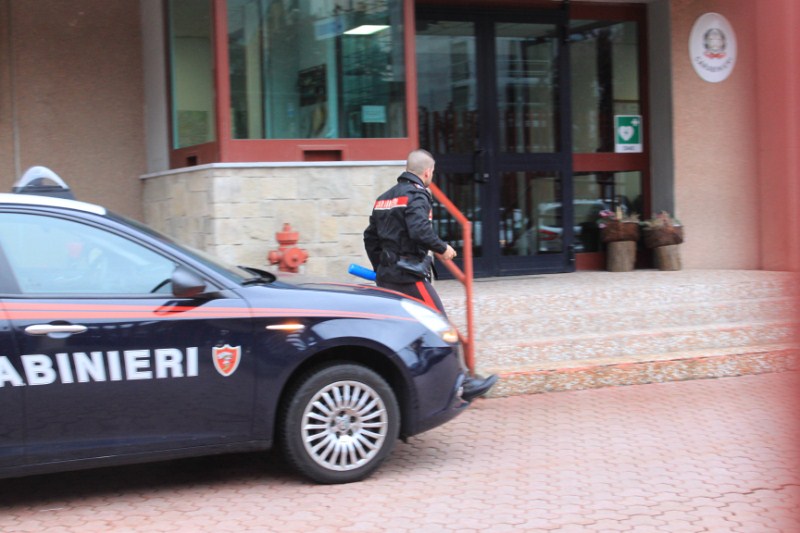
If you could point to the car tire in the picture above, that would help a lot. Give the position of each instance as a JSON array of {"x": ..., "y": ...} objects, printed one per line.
[{"x": 339, "y": 423}]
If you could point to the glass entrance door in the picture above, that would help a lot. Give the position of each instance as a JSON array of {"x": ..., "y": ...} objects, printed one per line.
[{"x": 493, "y": 106}]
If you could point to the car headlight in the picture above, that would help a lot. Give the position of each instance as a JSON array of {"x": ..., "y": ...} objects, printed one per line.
[{"x": 431, "y": 320}]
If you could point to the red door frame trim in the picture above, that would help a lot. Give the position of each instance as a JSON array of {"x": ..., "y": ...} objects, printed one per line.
[{"x": 222, "y": 78}]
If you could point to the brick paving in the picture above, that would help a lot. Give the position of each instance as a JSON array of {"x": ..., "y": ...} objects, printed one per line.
[{"x": 718, "y": 455}]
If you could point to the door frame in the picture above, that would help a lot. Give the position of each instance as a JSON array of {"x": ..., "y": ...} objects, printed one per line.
[{"x": 493, "y": 162}]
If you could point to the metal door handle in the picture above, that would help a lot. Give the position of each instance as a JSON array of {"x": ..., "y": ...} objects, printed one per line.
[{"x": 46, "y": 329}]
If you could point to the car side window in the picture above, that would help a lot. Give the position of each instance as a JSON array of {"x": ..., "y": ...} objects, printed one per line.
[{"x": 55, "y": 256}]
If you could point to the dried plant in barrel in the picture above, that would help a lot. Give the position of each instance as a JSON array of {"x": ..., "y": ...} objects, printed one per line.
[
  {"x": 616, "y": 226},
  {"x": 662, "y": 230}
]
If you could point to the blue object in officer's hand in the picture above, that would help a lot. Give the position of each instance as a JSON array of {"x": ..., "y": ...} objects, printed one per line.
[{"x": 361, "y": 272}]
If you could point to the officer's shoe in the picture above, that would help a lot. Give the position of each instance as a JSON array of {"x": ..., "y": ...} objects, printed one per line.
[{"x": 475, "y": 387}]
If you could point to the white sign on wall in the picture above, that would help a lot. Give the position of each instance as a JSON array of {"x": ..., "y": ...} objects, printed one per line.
[{"x": 712, "y": 47}]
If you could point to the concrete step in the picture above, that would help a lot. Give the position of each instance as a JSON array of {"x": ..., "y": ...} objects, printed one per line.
[
  {"x": 539, "y": 325},
  {"x": 646, "y": 368},
  {"x": 501, "y": 355},
  {"x": 627, "y": 290},
  {"x": 590, "y": 329}
]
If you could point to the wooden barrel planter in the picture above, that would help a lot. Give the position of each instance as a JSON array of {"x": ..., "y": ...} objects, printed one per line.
[
  {"x": 667, "y": 257},
  {"x": 621, "y": 256},
  {"x": 665, "y": 241},
  {"x": 620, "y": 239}
]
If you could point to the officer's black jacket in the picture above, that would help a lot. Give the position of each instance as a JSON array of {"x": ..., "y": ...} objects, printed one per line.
[{"x": 400, "y": 226}]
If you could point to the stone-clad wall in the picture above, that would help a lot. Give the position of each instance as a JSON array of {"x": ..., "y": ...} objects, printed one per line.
[{"x": 233, "y": 211}]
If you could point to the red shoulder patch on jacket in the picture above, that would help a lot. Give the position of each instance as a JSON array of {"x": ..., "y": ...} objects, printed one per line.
[{"x": 401, "y": 201}]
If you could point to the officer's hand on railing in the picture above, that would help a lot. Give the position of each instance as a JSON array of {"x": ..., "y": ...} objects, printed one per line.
[{"x": 448, "y": 254}]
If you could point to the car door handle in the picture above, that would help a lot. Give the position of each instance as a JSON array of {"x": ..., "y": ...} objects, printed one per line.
[{"x": 46, "y": 329}]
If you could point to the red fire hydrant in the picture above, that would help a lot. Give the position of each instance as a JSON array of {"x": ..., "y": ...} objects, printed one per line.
[{"x": 287, "y": 257}]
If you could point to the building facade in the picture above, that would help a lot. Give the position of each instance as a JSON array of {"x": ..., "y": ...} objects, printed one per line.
[{"x": 217, "y": 121}]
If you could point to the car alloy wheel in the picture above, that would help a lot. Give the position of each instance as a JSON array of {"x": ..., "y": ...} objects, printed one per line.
[{"x": 341, "y": 423}]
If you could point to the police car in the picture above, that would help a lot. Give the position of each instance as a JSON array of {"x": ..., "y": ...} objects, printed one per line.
[{"x": 118, "y": 345}]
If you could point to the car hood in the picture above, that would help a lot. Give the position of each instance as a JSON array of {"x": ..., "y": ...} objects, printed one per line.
[
  {"x": 309, "y": 283},
  {"x": 352, "y": 288},
  {"x": 331, "y": 296}
]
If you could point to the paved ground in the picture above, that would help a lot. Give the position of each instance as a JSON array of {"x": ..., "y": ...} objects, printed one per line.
[{"x": 710, "y": 455}]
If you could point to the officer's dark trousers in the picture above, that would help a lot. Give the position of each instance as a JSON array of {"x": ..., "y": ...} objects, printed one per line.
[{"x": 421, "y": 290}]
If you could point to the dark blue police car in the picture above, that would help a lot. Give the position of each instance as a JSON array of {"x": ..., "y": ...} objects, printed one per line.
[{"x": 117, "y": 345}]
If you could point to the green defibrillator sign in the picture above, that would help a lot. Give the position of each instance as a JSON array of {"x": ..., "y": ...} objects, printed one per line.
[{"x": 628, "y": 133}]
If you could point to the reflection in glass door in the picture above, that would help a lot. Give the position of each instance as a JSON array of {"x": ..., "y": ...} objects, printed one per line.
[
  {"x": 491, "y": 109},
  {"x": 448, "y": 117},
  {"x": 527, "y": 85},
  {"x": 526, "y": 91},
  {"x": 530, "y": 214}
]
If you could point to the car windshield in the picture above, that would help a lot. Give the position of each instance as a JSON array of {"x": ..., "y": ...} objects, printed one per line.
[{"x": 235, "y": 273}]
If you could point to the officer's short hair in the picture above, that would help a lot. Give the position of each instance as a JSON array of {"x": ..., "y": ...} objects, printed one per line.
[{"x": 419, "y": 161}]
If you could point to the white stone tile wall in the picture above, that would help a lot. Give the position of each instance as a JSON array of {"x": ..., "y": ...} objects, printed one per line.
[{"x": 233, "y": 212}]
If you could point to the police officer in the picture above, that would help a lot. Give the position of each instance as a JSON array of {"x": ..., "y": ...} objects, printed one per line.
[{"x": 399, "y": 238}]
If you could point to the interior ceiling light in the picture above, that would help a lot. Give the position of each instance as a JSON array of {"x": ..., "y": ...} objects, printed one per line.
[{"x": 365, "y": 29}]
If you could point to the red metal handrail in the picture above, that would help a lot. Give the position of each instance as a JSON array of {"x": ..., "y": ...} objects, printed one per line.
[{"x": 464, "y": 277}]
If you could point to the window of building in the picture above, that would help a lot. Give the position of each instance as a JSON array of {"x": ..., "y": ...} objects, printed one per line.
[
  {"x": 598, "y": 191},
  {"x": 191, "y": 77},
  {"x": 311, "y": 70},
  {"x": 607, "y": 84},
  {"x": 605, "y": 80}
]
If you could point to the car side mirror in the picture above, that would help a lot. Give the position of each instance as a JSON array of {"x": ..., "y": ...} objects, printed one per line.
[{"x": 186, "y": 284}]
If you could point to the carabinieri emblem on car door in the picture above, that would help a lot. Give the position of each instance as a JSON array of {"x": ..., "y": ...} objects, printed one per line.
[{"x": 226, "y": 358}]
